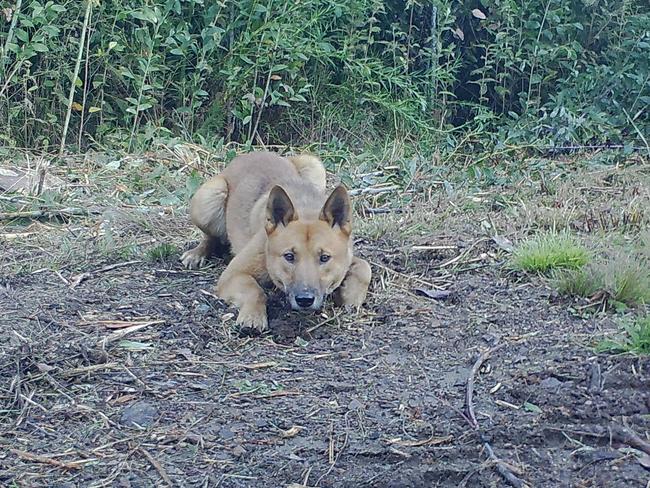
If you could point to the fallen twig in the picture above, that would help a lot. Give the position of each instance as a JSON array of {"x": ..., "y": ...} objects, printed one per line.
[
  {"x": 119, "y": 334},
  {"x": 28, "y": 456},
  {"x": 84, "y": 276},
  {"x": 615, "y": 432},
  {"x": 37, "y": 214},
  {"x": 469, "y": 392},
  {"x": 373, "y": 190},
  {"x": 433, "y": 248},
  {"x": 431, "y": 441},
  {"x": 503, "y": 468},
  {"x": 88, "y": 369},
  {"x": 154, "y": 462},
  {"x": 275, "y": 394}
]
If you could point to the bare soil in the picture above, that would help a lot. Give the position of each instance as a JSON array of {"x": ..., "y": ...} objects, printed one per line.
[{"x": 339, "y": 399}]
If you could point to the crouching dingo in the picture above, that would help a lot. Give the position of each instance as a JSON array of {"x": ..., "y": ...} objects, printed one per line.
[{"x": 281, "y": 227}]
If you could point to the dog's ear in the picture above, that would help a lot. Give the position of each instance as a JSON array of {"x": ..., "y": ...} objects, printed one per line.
[
  {"x": 279, "y": 209},
  {"x": 338, "y": 210}
]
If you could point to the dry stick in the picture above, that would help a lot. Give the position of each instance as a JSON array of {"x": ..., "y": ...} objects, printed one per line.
[
  {"x": 616, "y": 433},
  {"x": 85, "y": 90},
  {"x": 469, "y": 392},
  {"x": 626, "y": 436},
  {"x": 119, "y": 334},
  {"x": 502, "y": 468},
  {"x": 469, "y": 415},
  {"x": 27, "y": 456},
  {"x": 154, "y": 462},
  {"x": 84, "y": 276},
  {"x": 37, "y": 214},
  {"x": 82, "y": 43}
]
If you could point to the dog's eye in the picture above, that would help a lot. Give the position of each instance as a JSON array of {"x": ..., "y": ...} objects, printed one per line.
[
  {"x": 324, "y": 258},
  {"x": 289, "y": 256}
]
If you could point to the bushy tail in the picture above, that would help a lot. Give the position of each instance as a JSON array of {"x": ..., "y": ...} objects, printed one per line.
[{"x": 311, "y": 169}]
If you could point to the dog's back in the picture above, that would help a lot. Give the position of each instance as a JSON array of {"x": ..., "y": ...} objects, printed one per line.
[{"x": 250, "y": 177}]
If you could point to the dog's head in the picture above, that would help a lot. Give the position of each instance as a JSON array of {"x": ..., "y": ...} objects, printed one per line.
[{"x": 308, "y": 259}]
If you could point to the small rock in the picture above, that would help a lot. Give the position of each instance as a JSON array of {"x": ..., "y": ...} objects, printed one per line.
[
  {"x": 139, "y": 414},
  {"x": 226, "y": 434},
  {"x": 355, "y": 405},
  {"x": 550, "y": 383},
  {"x": 238, "y": 451}
]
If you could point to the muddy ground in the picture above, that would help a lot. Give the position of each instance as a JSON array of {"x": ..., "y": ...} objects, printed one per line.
[{"x": 373, "y": 399}]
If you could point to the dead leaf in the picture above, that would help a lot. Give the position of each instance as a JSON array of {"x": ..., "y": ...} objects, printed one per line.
[
  {"x": 124, "y": 399},
  {"x": 292, "y": 432},
  {"x": 459, "y": 33},
  {"x": 276, "y": 77},
  {"x": 504, "y": 243},
  {"x": 44, "y": 368},
  {"x": 478, "y": 14},
  {"x": 433, "y": 294}
]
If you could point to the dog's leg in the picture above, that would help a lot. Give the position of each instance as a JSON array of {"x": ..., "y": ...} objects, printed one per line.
[
  {"x": 238, "y": 285},
  {"x": 353, "y": 290},
  {"x": 208, "y": 213}
]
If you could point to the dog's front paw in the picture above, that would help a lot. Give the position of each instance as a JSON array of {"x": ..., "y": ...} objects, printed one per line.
[
  {"x": 193, "y": 259},
  {"x": 252, "y": 318},
  {"x": 350, "y": 296}
]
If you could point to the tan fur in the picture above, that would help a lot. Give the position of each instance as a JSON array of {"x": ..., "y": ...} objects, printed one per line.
[
  {"x": 282, "y": 228},
  {"x": 311, "y": 169}
]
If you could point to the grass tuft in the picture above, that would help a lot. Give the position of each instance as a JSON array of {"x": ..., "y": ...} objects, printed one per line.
[
  {"x": 162, "y": 252},
  {"x": 583, "y": 282},
  {"x": 550, "y": 251},
  {"x": 622, "y": 278},
  {"x": 635, "y": 340}
]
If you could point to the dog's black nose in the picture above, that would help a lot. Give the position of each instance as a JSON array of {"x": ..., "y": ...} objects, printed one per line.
[{"x": 305, "y": 300}]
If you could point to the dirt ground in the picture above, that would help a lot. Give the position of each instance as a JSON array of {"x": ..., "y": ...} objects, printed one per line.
[{"x": 125, "y": 370}]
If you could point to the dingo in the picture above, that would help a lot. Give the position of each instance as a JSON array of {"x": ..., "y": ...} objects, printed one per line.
[{"x": 281, "y": 227}]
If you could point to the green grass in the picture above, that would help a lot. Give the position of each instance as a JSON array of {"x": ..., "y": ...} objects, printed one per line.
[
  {"x": 550, "y": 251},
  {"x": 162, "y": 252},
  {"x": 636, "y": 338},
  {"x": 583, "y": 282},
  {"x": 623, "y": 278}
]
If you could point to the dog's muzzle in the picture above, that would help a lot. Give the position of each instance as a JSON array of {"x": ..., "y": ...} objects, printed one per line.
[{"x": 305, "y": 299}]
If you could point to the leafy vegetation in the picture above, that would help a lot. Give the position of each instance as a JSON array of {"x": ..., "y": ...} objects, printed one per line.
[
  {"x": 436, "y": 74},
  {"x": 636, "y": 338}
]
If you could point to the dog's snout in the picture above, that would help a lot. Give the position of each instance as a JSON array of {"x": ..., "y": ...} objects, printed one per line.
[{"x": 305, "y": 299}]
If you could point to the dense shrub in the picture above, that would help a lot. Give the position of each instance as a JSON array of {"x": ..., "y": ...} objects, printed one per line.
[{"x": 547, "y": 71}]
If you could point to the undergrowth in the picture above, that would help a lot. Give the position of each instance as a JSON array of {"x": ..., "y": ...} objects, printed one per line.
[{"x": 441, "y": 75}]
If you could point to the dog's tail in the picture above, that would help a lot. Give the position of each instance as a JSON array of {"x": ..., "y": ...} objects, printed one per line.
[{"x": 311, "y": 169}]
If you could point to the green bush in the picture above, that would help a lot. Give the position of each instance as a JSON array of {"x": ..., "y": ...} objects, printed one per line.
[{"x": 278, "y": 71}]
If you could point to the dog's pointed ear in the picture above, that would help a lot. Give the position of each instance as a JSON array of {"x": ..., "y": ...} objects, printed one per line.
[
  {"x": 338, "y": 210},
  {"x": 279, "y": 209}
]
